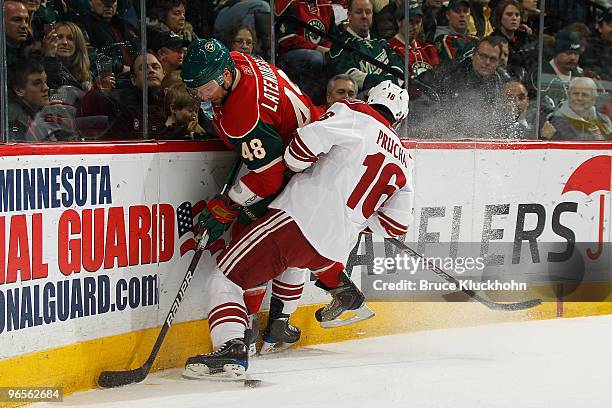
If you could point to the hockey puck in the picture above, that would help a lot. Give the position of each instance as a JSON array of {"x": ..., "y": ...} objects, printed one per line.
[{"x": 252, "y": 383}]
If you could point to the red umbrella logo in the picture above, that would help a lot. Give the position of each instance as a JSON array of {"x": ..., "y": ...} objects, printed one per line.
[{"x": 591, "y": 176}]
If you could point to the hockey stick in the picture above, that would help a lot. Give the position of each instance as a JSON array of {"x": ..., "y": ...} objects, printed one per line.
[
  {"x": 528, "y": 304},
  {"x": 110, "y": 379}
]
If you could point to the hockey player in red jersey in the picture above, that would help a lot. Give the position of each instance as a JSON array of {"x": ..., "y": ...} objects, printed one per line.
[
  {"x": 256, "y": 111},
  {"x": 354, "y": 176}
]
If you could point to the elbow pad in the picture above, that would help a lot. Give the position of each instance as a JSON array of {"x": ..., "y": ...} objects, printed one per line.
[{"x": 241, "y": 194}]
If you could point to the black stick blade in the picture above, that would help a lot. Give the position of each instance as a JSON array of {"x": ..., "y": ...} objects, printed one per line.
[{"x": 111, "y": 379}]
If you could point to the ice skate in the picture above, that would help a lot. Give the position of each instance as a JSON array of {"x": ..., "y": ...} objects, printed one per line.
[
  {"x": 228, "y": 363},
  {"x": 347, "y": 306},
  {"x": 279, "y": 335}
]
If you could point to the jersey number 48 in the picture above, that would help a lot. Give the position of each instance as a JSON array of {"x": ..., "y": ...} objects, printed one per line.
[{"x": 253, "y": 150}]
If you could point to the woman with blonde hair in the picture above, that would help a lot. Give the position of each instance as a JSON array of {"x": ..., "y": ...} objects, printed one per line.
[
  {"x": 68, "y": 65},
  {"x": 72, "y": 53}
]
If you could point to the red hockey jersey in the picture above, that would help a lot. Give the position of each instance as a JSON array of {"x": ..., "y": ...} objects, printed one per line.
[{"x": 259, "y": 118}]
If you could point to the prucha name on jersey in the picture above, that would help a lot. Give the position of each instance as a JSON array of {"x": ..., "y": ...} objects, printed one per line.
[{"x": 392, "y": 145}]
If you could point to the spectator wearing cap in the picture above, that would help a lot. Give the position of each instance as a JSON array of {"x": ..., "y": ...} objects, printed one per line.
[
  {"x": 169, "y": 15},
  {"x": 577, "y": 118},
  {"x": 169, "y": 49},
  {"x": 558, "y": 72},
  {"x": 303, "y": 52},
  {"x": 453, "y": 40},
  {"x": 583, "y": 31},
  {"x": 423, "y": 55},
  {"x": 597, "y": 57},
  {"x": 357, "y": 35},
  {"x": 508, "y": 24},
  {"x": 109, "y": 34},
  {"x": 479, "y": 23}
]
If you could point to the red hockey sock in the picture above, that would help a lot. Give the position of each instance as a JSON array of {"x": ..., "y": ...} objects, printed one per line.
[
  {"x": 253, "y": 298},
  {"x": 330, "y": 277}
]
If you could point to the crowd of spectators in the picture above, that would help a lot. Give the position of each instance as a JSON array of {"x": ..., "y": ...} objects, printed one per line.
[{"x": 75, "y": 67}]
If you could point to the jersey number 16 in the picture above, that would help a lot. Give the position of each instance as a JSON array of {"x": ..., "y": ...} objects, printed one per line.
[{"x": 380, "y": 186}]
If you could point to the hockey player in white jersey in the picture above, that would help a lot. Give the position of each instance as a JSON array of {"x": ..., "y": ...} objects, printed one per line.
[{"x": 354, "y": 176}]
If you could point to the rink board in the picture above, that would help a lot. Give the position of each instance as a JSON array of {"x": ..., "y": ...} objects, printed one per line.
[{"x": 91, "y": 245}]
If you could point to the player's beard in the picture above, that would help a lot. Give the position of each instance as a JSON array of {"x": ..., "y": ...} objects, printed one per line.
[{"x": 226, "y": 92}]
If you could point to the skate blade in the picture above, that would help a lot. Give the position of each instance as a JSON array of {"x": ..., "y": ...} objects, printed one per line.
[
  {"x": 349, "y": 317},
  {"x": 231, "y": 372},
  {"x": 271, "y": 348}
]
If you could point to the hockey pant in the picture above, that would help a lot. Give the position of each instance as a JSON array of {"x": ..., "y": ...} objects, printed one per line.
[
  {"x": 287, "y": 287},
  {"x": 261, "y": 252}
]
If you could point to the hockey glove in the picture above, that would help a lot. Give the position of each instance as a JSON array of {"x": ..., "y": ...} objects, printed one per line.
[{"x": 217, "y": 217}]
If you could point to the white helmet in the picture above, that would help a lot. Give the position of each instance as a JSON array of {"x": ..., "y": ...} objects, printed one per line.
[{"x": 392, "y": 97}]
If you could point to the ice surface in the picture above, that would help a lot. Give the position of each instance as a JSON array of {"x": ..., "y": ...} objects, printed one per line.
[{"x": 561, "y": 363}]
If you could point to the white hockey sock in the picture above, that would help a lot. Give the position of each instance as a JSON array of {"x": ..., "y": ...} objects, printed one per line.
[
  {"x": 288, "y": 288},
  {"x": 227, "y": 316}
]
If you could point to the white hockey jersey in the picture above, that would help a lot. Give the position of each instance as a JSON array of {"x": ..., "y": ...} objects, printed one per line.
[{"x": 362, "y": 179}]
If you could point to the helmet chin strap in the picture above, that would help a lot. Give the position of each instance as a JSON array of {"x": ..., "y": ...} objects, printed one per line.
[{"x": 229, "y": 87}]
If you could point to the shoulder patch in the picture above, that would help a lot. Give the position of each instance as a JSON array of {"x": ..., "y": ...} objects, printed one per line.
[{"x": 240, "y": 113}]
